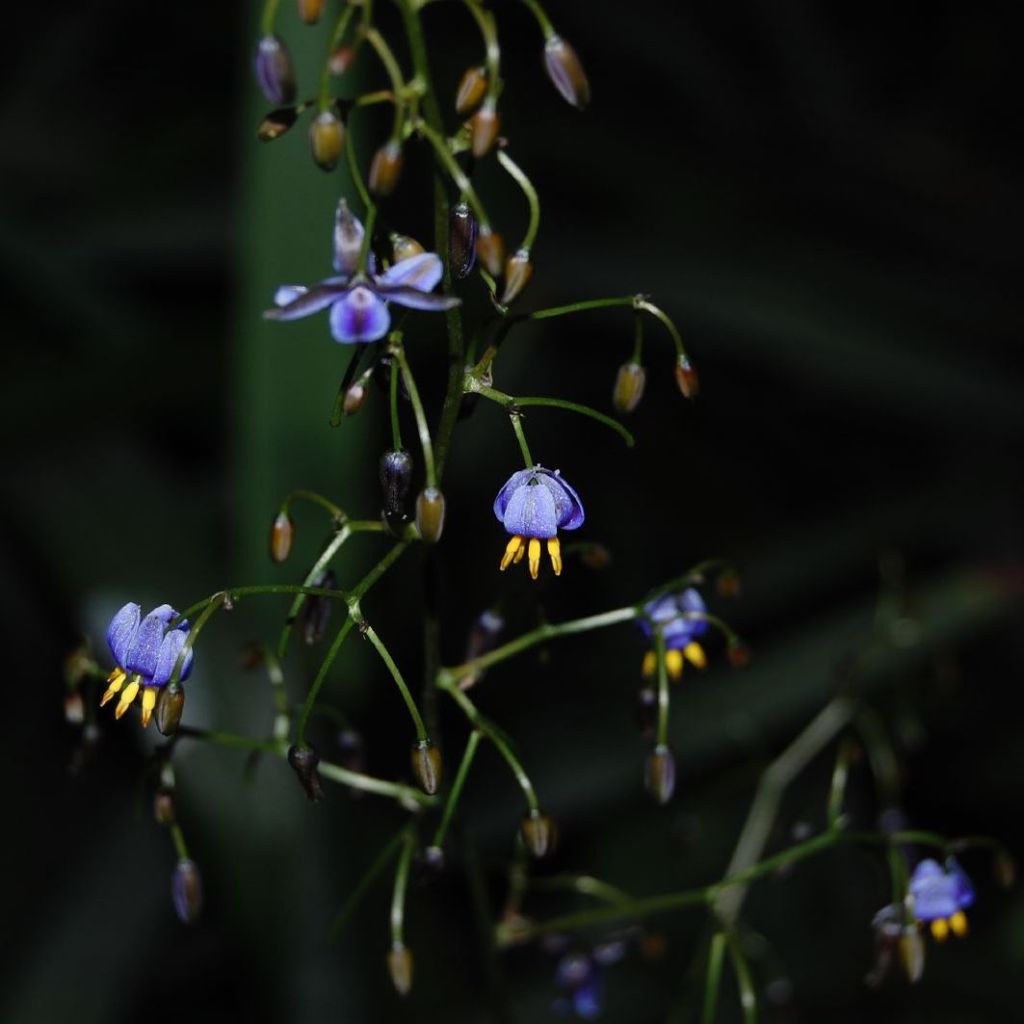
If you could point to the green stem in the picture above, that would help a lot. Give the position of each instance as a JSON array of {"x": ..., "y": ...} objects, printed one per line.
[
  {"x": 585, "y": 885},
  {"x": 659, "y": 314},
  {"x": 378, "y": 865},
  {"x": 394, "y": 73},
  {"x": 837, "y": 786},
  {"x": 414, "y": 712},
  {"x": 218, "y": 601},
  {"x": 178, "y": 838},
  {"x": 662, "y": 728},
  {"x": 396, "y": 428},
  {"x": 268, "y": 16},
  {"x": 336, "y": 512},
  {"x": 398, "y": 352},
  {"x": 456, "y": 791},
  {"x": 542, "y": 19},
  {"x": 337, "y": 34},
  {"x": 744, "y": 980},
  {"x": 517, "y": 426},
  {"x": 455, "y": 172},
  {"x": 521, "y": 179},
  {"x": 398, "y": 894}
]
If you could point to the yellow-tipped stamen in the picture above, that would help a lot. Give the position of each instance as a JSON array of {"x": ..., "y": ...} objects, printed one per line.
[
  {"x": 650, "y": 664},
  {"x": 116, "y": 681},
  {"x": 513, "y": 550},
  {"x": 148, "y": 703},
  {"x": 958, "y": 923},
  {"x": 555, "y": 554},
  {"x": 940, "y": 929},
  {"x": 534, "y": 557},
  {"x": 131, "y": 691},
  {"x": 520, "y": 552},
  {"x": 694, "y": 654},
  {"x": 674, "y": 664}
]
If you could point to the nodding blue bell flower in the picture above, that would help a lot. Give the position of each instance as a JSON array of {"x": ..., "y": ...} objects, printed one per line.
[
  {"x": 145, "y": 652},
  {"x": 670, "y": 612},
  {"x": 940, "y": 896},
  {"x": 358, "y": 300},
  {"x": 533, "y": 506}
]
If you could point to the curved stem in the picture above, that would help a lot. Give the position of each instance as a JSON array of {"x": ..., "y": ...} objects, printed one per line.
[
  {"x": 456, "y": 791},
  {"x": 394, "y": 73},
  {"x": 519, "y": 175},
  {"x": 396, "y": 427},
  {"x": 398, "y": 893},
  {"x": 417, "y": 407},
  {"x": 542, "y": 19},
  {"x": 517, "y": 426},
  {"x": 455, "y": 172},
  {"x": 337, "y": 513},
  {"x": 414, "y": 712},
  {"x": 662, "y": 727},
  {"x": 337, "y": 34}
]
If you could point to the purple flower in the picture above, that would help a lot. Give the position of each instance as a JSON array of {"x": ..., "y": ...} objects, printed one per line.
[
  {"x": 145, "y": 652},
  {"x": 358, "y": 300},
  {"x": 534, "y": 505},
  {"x": 670, "y": 613},
  {"x": 940, "y": 895},
  {"x": 583, "y": 980}
]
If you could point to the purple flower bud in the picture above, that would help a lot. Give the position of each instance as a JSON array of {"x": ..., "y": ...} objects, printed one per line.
[
  {"x": 304, "y": 760},
  {"x": 566, "y": 72},
  {"x": 275, "y": 73},
  {"x": 187, "y": 891},
  {"x": 462, "y": 241}
]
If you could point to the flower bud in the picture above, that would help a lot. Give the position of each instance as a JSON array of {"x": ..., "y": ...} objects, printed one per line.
[
  {"x": 566, "y": 72},
  {"x": 490, "y": 247},
  {"x": 187, "y": 890},
  {"x": 539, "y": 834},
  {"x": 355, "y": 396},
  {"x": 310, "y": 10},
  {"x": 629, "y": 386},
  {"x": 404, "y": 248},
  {"x": 276, "y": 123},
  {"x": 660, "y": 774},
  {"x": 315, "y": 613},
  {"x": 1005, "y": 869},
  {"x": 348, "y": 239},
  {"x": 427, "y": 766},
  {"x": 341, "y": 60},
  {"x": 385, "y": 168},
  {"x": 686, "y": 378},
  {"x": 169, "y": 705},
  {"x": 304, "y": 760},
  {"x": 595, "y": 556},
  {"x": 471, "y": 91},
  {"x": 275, "y": 73},
  {"x": 911, "y": 947},
  {"x": 518, "y": 271},
  {"x": 483, "y": 129},
  {"x": 395, "y": 477},
  {"x": 74, "y": 708},
  {"x": 430, "y": 509},
  {"x": 326, "y": 137},
  {"x": 433, "y": 859},
  {"x": 282, "y": 536},
  {"x": 77, "y": 666},
  {"x": 163, "y": 807},
  {"x": 728, "y": 583},
  {"x": 400, "y": 968},
  {"x": 737, "y": 652},
  {"x": 462, "y": 241}
]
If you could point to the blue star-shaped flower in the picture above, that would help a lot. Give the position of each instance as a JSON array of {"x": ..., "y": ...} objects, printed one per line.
[
  {"x": 671, "y": 612},
  {"x": 358, "y": 300},
  {"x": 145, "y": 652},
  {"x": 940, "y": 896},
  {"x": 534, "y": 505}
]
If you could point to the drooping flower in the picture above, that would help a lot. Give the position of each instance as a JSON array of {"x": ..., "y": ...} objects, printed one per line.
[
  {"x": 940, "y": 896},
  {"x": 679, "y": 618},
  {"x": 358, "y": 300},
  {"x": 145, "y": 652},
  {"x": 533, "y": 505}
]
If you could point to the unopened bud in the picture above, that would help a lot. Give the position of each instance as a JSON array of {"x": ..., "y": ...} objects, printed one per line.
[
  {"x": 566, "y": 72},
  {"x": 395, "y": 477},
  {"x": 1005, "y": 869},
  {"x": 430, "y": 509},
  {"x": 310, "y": 10},
  {"x": 629, "y": 386},
  {"x": 315, "y": 613},
  {"x": 737, "y": 652},
  {"x": 282, "y": 536},
  {"x": 484, "y": 634},
  {"x": 490, "y": 247},
  {"x": 275, "y": 73},
  {"x": 686, "y": 378},
  {"x": 728, "y": 583},
  {"x": 518, "y": 271},
  {"x": 74, "y": 708},
  {"x": 471, "y": 91},
  {"x": 400, "y": 968},
  {"x": 539, "y": 834},
  {"x": 276, "y": 123},
  {"x": 483, "y": 130},
  {"x": 77, "y": 666},
  {"x": 595, "y": 556},
  {"x": 433, "y": 859},
  {"x": 163, "y": 807},
  {"x": 660, "y": 774},
  {"x": 462, "y": 241},
  {"x": 385, "y": 168},
  {"x": 427, "y": 766},
  {"x": 187, "y": 890},
  {"x": 341, "y": 60},
  {"x": 404, "y": 248},
  {"x": 170, "y": 703},
  {"x": 326, "y": 138},
  {"x": 304, "y": 760},
  {"x": 348, "y": 239},
  {"x": 351, "y": 750},
  {"x": 355, "y": 396},
  {"x": 911, "y": 947}
]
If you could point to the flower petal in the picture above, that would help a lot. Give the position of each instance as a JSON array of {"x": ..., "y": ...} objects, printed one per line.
[
  {"x": 145, "y": 649},
  {"x": 167, "y": 656},
  {"x": 348, "y": 239},
  {"x": 567, "y": 501},
  {"x": 312, "y": 300},
  {"x": 288, "y": 293},
  {"x": 531, "y": 512},
  {"x": 422, "y": 272},
  {"x": 359, "y": 316},
  {"x": 515, "y": 481},
  {"x": 121, "y": 632},
  {"x": 416, "y": 299}
]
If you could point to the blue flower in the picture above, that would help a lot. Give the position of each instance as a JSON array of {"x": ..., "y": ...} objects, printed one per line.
[
  {"x": 145, "y": 652},
  {"x": 940, "y": 895},
  {"x": 677, "y": 617},
  {"x": 358, "y": 300},
  {"x": 583, "y": 980},
  {"x": 533, "y": 506}
]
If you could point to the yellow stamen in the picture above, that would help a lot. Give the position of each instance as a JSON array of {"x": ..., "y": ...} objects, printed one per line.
[
  {"x": 650, "y": 664},
  {"x": 513, "y": 549},
  {"x": 520, "y": 552},
  {"x": 958, "y": 922},
  {"x": 674, "y": 664},
  {"x": 555, "y": 554},
  {"x": 940, "y": 929},
  {"x": 148, "y": 703},
  {"x": 694, "y": 654},
  {"x": 130, "y": 693},
  {"x": 116, "y": 680},
  {"x": 534, "y": 557}
]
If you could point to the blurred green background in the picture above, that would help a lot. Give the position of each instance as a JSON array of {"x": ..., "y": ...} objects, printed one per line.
[{"x": 828, "y": 202}]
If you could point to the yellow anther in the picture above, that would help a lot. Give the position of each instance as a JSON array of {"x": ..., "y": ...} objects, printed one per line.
[
  {"x": 148, "y": 703},
  {"x": 130, "y": 693},
  {"x": 116, "y": 681},
  {"x": 694, "y": 654},
  {"x": 674, "y": 664},
  {"x": 958, "y": 922},
  {"x": 534, "y": 557},
  {"x": 650, "y": 664},
  {"x": 555, "y": 554},
  {"x": 513, "y": 550},
  {"x": 520, "y": 552},
  {"x": 940, "y": 929}
]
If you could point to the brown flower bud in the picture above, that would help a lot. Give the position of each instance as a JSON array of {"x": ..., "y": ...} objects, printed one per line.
[
  {"x": 354, "y": 398},
  {"x": 385, "y": 168},
  {"x": 304, "y": 760},
  {"x": 518, "y": 271},
  {"x": 276, "y": 123},
  {"x": 483, "y": 129},
  {"x": 1004, "y": 867},
  {"x": 348, "y": 238},
  {"x": 471, "y": 91},
  {"x": 74, "y": 708},
  {"x": 187, "y": 890},
  {"x": 404, "y": 248},
  {"x": 660, "y": 774},
  {"x": 911, "y": 947},
  {"x": 427, "y": 766},
  {"x": 282, "y": 536},
  {"x": 629, "y": 386},
  {"x": 462, "y": 241},
  {"x": 170, "y": 703},
  {"x": 539, "y": 834},
  {"x": 738, "y": 653},
  {"x": 310, "y": 10},
  {"x": 163, "y": 807},
  {"x": 728, "y": 583},
  {"x": 275, "y": 73},
  {"x": 490, "y": 247},
  {"x": 341, "y": 60},
  {"x": 400, "y": 968},
  {"x": 430, "y": 509},
  {"x": 595, "y": 556},
  {"x": 686, "y": 378},
  {"x": 326, "y": 138},
  {"x": 566, "y": 72}
]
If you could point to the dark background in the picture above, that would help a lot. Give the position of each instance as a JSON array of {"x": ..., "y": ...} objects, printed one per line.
[{"x": 827, "y": 200}]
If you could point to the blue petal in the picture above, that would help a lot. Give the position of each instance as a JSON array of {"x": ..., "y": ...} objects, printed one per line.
[
  {"x": 422, "y": 272},
  {"x": 667, "y": 610},
  {"x": 531, "y": 512},
  {"x": 963, "y": 890},
  {"x": 288, "y": 293},
  {"x": 416, "y": 299},
  {"x": 934, "y": 892},
  {"x": 359, "y": 316},
  {"x": 145, "y": 649},
  {"x": 586, "y": 1000},
  {"x": 348, "y": 239},
  {"x": 312, "y": 300},
  {"x": 567, "y": 501},
  {"x": 121, "y": 632},
  {"x": 170, "y": 648},
  {"x": 513, "y": 483}
]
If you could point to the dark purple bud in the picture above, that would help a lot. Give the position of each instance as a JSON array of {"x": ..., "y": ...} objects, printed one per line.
[
  {"x": 518, "y": 271},
  {"x": 471, "y": 91},
  {"x": 566, "y": 72},
  {"x": 304, "y": 760},
  {"x": 629, "y": 386},
  {"x": 275, "y": 73},
  {"x": 462, "y": 241},
  {"x": 660, "y": 774},
  {"x": 315, "y": 613},
  {"x": 430, "y": 510},
  {"x": 276, "y": 123},
  {"x": 400, "y": 968},
  {"x": 539, "y": 834},
  {"x": 282, "y": 536},
  {"x": 427, "y": 766},
  {"x": 187, "y": 890},
  {"x": 169, "y": 705},
  {"x": 395, "y": 477},
  {"x": 163, "y": 807}
]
